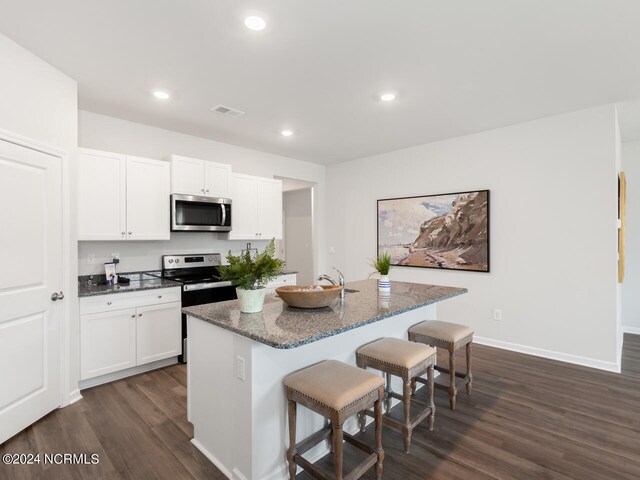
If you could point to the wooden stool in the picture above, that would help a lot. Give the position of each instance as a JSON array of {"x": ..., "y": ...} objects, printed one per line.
[
  {"x": 450, "y": 336},
  {"x": 336, "y": 391},
  {"x": 406, "y": 360}
]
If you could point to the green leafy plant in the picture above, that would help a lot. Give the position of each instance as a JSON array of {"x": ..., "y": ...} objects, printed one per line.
[
  {"x": 252, "y": 273},
  {"x": 381, "y": 264}
]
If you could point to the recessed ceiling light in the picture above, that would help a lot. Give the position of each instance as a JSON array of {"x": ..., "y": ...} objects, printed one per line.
[
  {"x": 161, "y": 95},
  {"x": 387, "y": 97},
  {"x": 255, "y": 23},
  {"x": 286, "y": 133}
]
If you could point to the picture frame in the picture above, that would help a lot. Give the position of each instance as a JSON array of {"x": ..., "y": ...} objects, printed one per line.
[{"x": 449, "y": 231}]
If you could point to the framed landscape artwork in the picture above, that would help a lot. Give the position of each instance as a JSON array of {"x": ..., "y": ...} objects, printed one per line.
[{"x": 449, "y": 231}]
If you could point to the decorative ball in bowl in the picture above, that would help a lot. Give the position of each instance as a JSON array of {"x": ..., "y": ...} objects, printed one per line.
[{"x": 309, "y": 296}]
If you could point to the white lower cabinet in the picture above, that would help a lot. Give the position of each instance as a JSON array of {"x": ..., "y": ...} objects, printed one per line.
[
  {"x": 125, "y": 330},
  {"x": 158, "y": 332},
  {"x": 108, "y": 342}
]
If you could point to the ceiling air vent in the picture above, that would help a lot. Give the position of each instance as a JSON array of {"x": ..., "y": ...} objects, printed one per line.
[{"x": 228, "y": 111}]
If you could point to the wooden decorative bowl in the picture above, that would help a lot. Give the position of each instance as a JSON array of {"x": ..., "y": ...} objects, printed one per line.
[{"x": 302, "y": 296}]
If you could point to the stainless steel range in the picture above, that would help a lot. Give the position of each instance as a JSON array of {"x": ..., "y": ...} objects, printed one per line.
[{"x": 200, "y": 281}]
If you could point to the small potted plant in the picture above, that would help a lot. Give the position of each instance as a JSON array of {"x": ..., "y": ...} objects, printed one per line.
[
  {"x": 250, "y": 275},
  {"x": 382, "y": 266}
]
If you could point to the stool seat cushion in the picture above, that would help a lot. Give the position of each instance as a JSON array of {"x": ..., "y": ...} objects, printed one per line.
[
  {"x": 398, "y": 352},
  {"x": 444, "y": 331},
  {"x": 333, "y": 384}
]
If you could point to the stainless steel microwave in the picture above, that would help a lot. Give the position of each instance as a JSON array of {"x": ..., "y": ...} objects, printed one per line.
[{"x": 192, "y": 213}]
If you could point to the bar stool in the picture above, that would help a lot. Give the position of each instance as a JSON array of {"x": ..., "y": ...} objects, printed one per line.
[
  {"x": 451, "y": 336},
  {"x": 406, "y": 360},
  {"x": 336, "y": 391}
]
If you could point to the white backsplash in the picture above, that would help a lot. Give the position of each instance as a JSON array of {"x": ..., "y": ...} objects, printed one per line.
[{"x": 141, "y": 256}]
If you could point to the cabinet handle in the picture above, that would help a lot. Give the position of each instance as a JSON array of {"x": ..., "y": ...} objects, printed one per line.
[
  {"x": 159, "y": 296},
  {"x": 139, "y": 314},
  {"x": 207, "y": 190},
  {"x": 133, "y": 315},
  {"x": 108, "y": 303},
  {"x": 124, "y": 233},
  {"x": 130, "y": 233},
  {"x": 202, "y": 190}
]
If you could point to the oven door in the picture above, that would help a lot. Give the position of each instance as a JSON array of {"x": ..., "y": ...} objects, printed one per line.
[
  {"x": 200, "y": 294},
  {"x": 191, "y": 213}
]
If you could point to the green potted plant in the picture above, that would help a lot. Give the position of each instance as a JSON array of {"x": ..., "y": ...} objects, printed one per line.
[
  {"x": 382, "y": 265},
  {"x": 250, "y": 275}
]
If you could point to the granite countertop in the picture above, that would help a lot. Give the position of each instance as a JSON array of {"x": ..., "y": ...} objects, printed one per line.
[
  {"x": 88, "y": 284},
  {"x": 281, "y": 326}
]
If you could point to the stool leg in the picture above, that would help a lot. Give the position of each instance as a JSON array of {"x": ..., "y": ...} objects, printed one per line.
[
  {"x": 406, "y": 400},
  {"x": 413, "y": 386},
  {"x": 452, "y": 378},
  {"x": 291, "y": 452},
  {"x": 469, "y": 375},
  {"x": 432, "y": 416},
  {"x": 362, "y": 420},
  {"x": 337, "y": 448},
  {"x": 387, "y": 402},
  {"x": 377, "y": 411}
]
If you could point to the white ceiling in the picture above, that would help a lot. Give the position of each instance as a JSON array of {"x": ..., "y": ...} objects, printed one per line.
[{"x": 459, "y": 66}]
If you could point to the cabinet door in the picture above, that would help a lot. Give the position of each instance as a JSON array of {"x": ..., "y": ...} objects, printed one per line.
[
  {"x": 244, "y": 207},
  {"x": 269, "y": 208},
  {"x": 217, "y": 178},
  {"x": 148, "y": 202},
  {"x": 101, "y": 188},
  {"x": 159, "y": 332},
  {"x": 187, "y": 175},
  {"x": 107, "y": 342}
]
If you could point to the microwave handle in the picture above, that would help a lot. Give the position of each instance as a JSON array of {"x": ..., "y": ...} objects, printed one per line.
[{"x": 224, "y": 214}]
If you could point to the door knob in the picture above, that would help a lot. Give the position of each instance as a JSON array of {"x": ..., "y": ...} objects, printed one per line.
[{"x": 57, "y": 296}]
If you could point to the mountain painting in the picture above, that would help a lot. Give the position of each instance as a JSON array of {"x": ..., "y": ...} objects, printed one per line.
[{"x": 448, "y": 231}]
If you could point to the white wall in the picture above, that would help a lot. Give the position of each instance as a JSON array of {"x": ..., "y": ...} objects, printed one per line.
[
  {"x": 40, "y": 103},
  {"x": 298, "y": 215},
  {"x": 631, "y": 284},
  {"x": 553, "y": 229},
  {"x": 116, "y": 135}
]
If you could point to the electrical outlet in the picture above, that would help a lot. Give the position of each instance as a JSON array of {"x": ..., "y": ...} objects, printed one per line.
[
  {"x": 240, "y": 367},
  {"x": 115, "y": 255},
  {"x": 497, "y": 315},
  {"x": 91, "y": 259}
]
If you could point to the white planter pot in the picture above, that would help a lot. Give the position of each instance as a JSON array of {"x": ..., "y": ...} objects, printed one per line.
[
  {"x": 251, "y": 301},
  {"x": 384, "y": 285}
]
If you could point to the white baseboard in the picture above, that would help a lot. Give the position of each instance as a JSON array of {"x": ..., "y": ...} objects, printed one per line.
[
  {"x": 540, "y": 352},
  {"x": 634, "y": 330},
  {"x": 129, "y": 372},
  {"x": 212, "y": 458},
  {"x": 75, "y": 396}
]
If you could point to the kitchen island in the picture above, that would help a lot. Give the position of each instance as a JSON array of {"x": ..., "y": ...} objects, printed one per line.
[{"x": 237, "y": 361}]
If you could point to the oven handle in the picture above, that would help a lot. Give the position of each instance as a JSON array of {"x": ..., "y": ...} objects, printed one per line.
[{"x": 205, "y": 286}]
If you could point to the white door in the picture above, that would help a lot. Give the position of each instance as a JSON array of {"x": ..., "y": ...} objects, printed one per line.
[
  {"x": 101, "y": 196},
  {"x": 217, "y": 177},
  {"x": 107, "y": 342},
  {"x": 159, "y": 332},
  {"x": 244, "y": 207},
  {"x": 187, "y": 175},
  {"x": 269, "y": 208},
  {"x": 31, "y": 271},
  {"x": 148, "y": 203}
]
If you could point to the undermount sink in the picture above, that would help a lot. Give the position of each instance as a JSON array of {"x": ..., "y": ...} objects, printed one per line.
[{"x": 351, "y": 290}]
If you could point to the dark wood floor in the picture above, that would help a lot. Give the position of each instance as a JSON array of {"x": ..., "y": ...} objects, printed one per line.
[{"x": 528, "y": 418}]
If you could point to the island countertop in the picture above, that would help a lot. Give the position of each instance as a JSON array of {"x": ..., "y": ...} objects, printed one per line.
[{"x": 281, "y": 326}]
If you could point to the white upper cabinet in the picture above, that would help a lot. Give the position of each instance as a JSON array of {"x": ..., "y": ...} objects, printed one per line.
[
  {"x": 190, "y": 176},
  {"x": 256, "y": 211},
  {"x": 102, "y": 211},
  {"x": 122, "y": 197},
  {"x": 147, "y": 199},
  {"x": 269, "y": 208}
]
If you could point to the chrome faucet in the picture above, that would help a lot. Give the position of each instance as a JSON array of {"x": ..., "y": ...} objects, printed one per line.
[{"x": 333, "y": 282}]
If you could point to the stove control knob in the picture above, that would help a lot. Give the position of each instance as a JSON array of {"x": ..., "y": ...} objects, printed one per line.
[
  {"x": 210, "y": 259},
  {"x": 171, "y": 260},
  {"x": 177, "y": 260}
]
